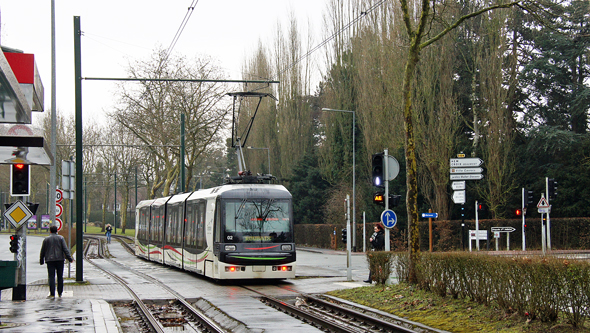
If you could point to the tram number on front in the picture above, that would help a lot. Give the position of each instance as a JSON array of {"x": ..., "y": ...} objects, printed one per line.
[{"x": 230, "y": 237}]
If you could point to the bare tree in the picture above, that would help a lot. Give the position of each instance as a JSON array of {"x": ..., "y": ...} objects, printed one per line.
[{"x": 152, "y": 112}]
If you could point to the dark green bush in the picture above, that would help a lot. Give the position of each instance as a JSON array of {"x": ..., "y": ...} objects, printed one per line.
[
  {"x": 541, "y": 287},
  {"x": 380, "y": 265}
]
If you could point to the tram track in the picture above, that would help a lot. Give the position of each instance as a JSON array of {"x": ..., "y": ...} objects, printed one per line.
[
  {"x": 331, "y": 315},
  {"x": 323, "y": 312},
  {"x": 153, "y": 317}
]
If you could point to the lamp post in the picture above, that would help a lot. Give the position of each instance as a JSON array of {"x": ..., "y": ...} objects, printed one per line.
[
  {"x": 267, "y": 150},
  {"x": 353, "y": 175}
]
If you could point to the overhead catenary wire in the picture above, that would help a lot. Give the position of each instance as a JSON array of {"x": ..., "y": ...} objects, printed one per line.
[
  {"x": 327, "y": 40},
  {"x": 187, "y": 16}
]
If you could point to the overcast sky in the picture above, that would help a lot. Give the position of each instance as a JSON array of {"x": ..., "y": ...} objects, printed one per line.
[{"x": 122, "y": 31}]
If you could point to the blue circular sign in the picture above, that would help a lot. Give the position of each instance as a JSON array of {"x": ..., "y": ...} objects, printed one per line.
[{"x": 388, "y": 218}]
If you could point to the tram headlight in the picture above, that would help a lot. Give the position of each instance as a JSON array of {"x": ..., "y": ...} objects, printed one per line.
[
  {"x": 286, "y": 247},
  {"x": 230, "y": 247}
]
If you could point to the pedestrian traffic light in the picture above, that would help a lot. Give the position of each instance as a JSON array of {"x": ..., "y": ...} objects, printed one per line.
[
  {"x": 14, "y": 243},
  {"x": 344, "y": 238},
  {"x": 377, "y": 163},
  {"x": 552, "y": 188},
  {"x": 19, "y": 180},
  {"x": 379, "y": 198}
]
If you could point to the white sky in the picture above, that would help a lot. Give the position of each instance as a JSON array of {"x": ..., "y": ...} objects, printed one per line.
[{"x": 119, "y": 32}]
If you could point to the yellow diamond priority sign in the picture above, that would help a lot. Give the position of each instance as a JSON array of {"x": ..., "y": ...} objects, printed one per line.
[{"x": 18, "y": 214}]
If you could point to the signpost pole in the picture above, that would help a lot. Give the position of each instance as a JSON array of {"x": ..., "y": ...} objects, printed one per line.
[
  {"x": 385, "y": 154},
  {"x": 430, "y": 228},
  {"x": 476, "y": 227}
]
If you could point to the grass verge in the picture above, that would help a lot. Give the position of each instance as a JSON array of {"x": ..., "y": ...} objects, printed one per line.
[{"x": 446, "y": 313}]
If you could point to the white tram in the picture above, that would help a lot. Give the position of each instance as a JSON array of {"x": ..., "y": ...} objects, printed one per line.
[{"x": 234, "y": 231}]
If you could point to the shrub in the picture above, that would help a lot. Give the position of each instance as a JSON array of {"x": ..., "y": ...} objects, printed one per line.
[
  {"x": 380, "y": 265},
  {"x": 543, "y": 287}
]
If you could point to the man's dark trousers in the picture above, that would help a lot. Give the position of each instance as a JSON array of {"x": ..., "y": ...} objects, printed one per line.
[{"x": 52, "y": 268}]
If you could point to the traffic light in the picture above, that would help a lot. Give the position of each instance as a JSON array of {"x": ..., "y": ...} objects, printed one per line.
[
  {"x": 552, "y": 188},
  {"x": 377, "y": 163},
  {"x": 481, "y": 207},
  {"x": 379, "y": 198},
  {"x": 518, "y": 212},
  {"x": 529, "y": 197},
  {"x": 394, "y": 200},
  {"x": 344, "y": 238},
  {"x": 19, "y": 180},
  {"x": 14, "y": 243}
]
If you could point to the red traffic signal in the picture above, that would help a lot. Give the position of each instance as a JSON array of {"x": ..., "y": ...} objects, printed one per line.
[{"x": 518, "y": 212}]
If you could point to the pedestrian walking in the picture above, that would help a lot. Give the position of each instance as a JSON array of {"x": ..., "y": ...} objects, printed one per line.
[
  {"x": 377, "y": 241},
  {"x": 108, "y": 229},
  {"x": 53, "y": 253}
]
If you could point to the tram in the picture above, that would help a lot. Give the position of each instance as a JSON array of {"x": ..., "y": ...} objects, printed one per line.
[{"x": 234, "y": 231}]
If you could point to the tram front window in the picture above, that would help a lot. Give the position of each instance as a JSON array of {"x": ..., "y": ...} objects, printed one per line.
[{"x": 258, "y": 221}]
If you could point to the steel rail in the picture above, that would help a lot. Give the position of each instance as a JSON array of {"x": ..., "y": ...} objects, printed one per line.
[
  {"x": 209, "y": 324},
  {"x": 306, "y": 316},
  {"x": 373, "y": 321},
  {"x": 155, "y": 325}
]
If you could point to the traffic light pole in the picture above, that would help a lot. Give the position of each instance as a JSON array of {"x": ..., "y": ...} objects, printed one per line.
[
  {"x": 548, "y": 225},
  {"x": 348, "y": 241},
  {"x": 524, "y": 204},
  {"x": 19, "y": 293}
]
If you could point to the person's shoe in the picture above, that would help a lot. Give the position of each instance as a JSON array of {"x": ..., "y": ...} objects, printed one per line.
[
  {"x": 50, "y": 296},
  {"x": 368, "y": 281},
  {"x": 59, "y": 295}
]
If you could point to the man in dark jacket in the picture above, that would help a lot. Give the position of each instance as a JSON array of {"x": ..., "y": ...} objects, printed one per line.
[{"x": 53, "y": 252}]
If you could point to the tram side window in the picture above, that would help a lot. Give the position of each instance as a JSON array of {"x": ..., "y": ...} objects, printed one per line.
[
  {"x": 154, "y": 224},
  {"x": 161, "y": 224},
  {"x": 201, "y": 225},
  {"x": 179, "y": 223},
  {"x": 171, "y": 224},
  {"x": 189, "y": 225}
]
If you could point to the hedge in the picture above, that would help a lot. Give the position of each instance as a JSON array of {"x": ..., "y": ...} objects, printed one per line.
[{"x": 566, "y": 233}]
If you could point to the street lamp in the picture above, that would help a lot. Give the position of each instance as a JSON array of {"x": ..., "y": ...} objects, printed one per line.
[
  {"x": 353, "y": 175},
  {"x": 267, "y": 150}
]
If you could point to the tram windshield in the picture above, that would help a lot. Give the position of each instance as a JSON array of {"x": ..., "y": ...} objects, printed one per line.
[{"x": 258, "y": 221}]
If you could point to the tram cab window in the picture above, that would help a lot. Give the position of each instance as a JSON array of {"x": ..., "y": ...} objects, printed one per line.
[{"x": 257, "y": 221}]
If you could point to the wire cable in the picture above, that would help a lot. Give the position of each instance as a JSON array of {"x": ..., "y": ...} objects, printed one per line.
[
  {"x": 187, "y": 16},
  {"x": 320, "y": 45}
]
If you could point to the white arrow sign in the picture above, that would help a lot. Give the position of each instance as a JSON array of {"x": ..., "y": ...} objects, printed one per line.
[
  {"x": 466, "y": 170},
  {"x": 460, "y": 185},
  {"x": 466, "y": 162},
  {"x": 472, "y": 176},
  {"x": 459, "y": 197},
  {"x": 503, "y": 229}
]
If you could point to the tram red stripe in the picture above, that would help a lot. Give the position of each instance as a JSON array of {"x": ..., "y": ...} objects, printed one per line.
[{"x": 261, "y": 248}]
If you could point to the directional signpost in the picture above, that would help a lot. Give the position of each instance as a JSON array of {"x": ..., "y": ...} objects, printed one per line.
[
  {"x": 507, "y": 230},
  {"x": 463, "y": 169},
  {"x": 430, "y": 215},
  {"x": 459, "y": 197},
  {"x": 460, "y": 185},
  {"x": 466, "y": 162}
]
